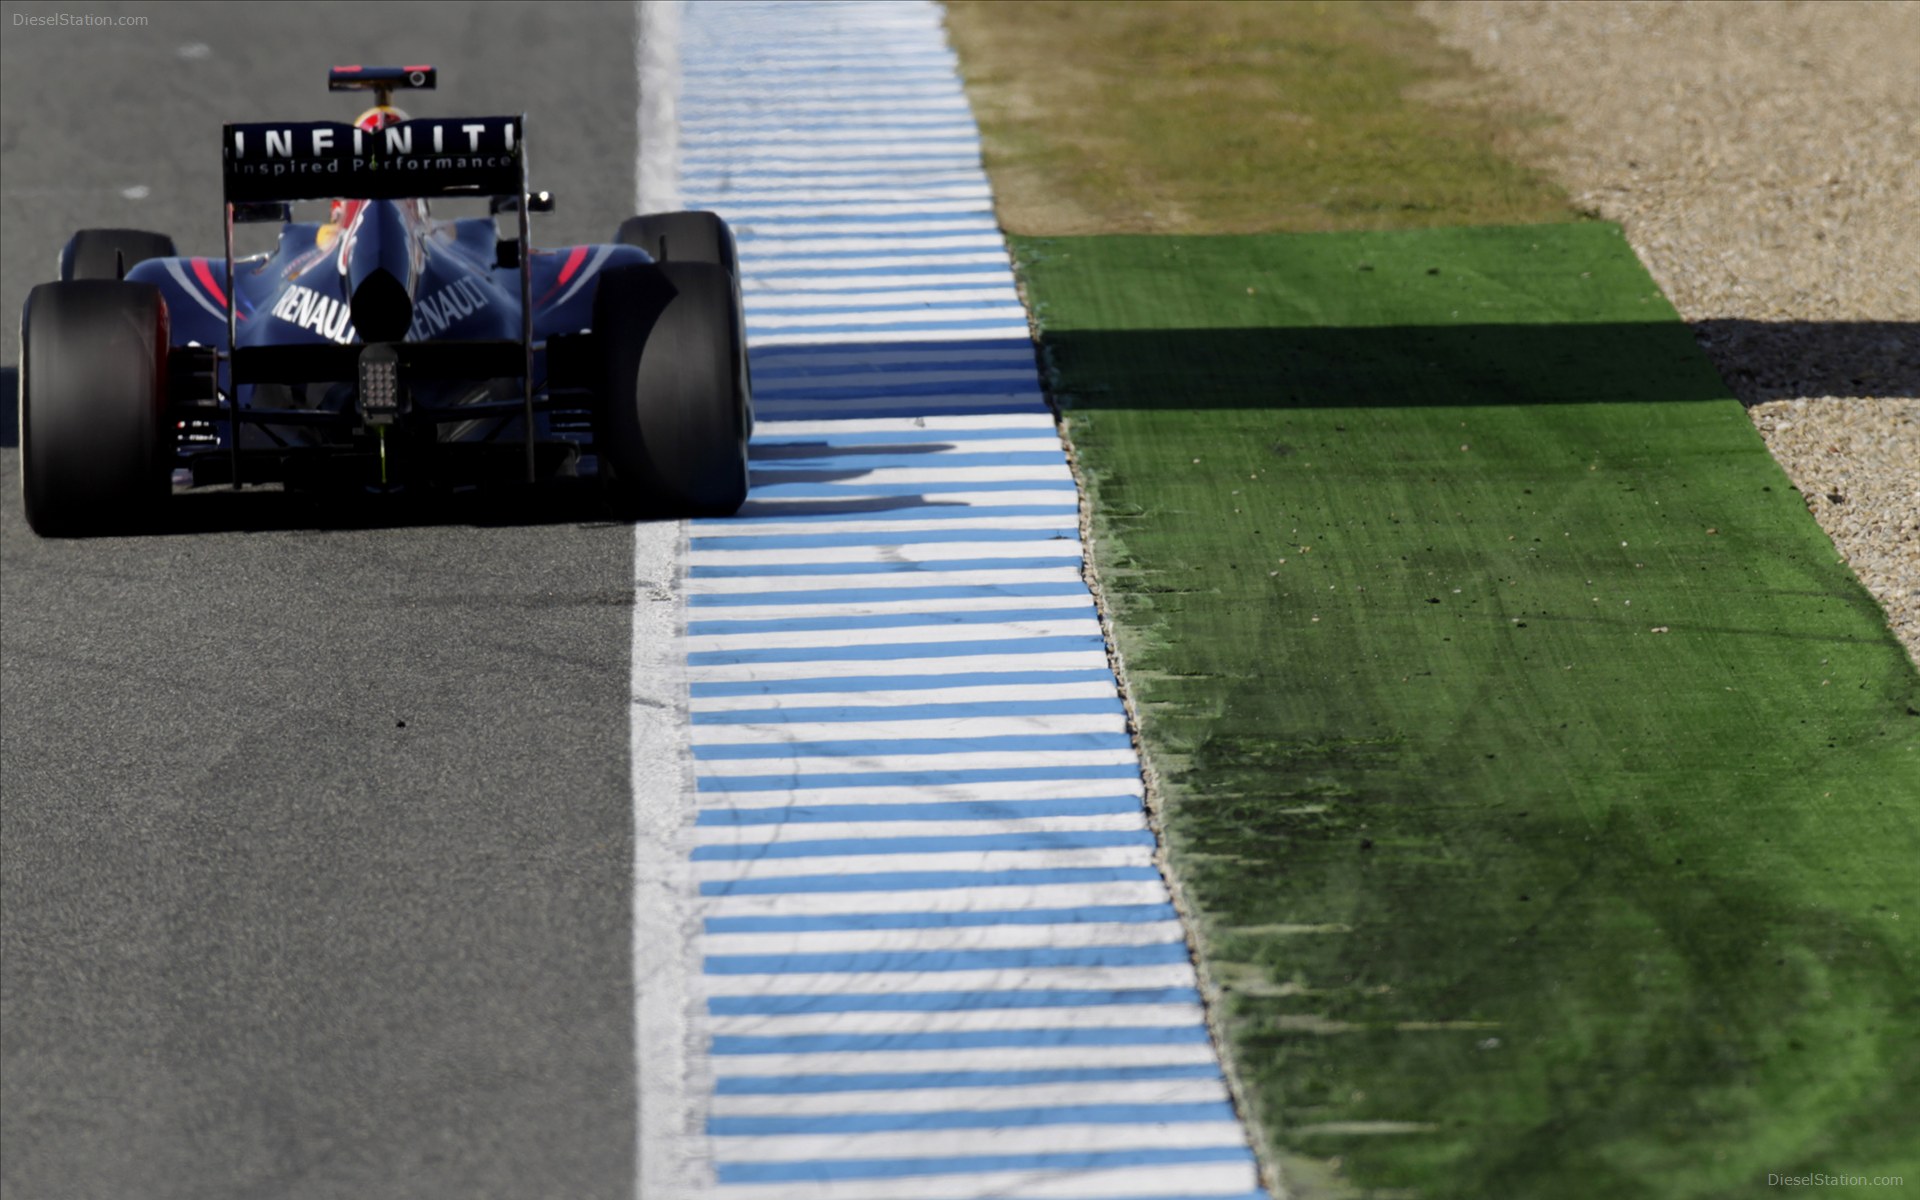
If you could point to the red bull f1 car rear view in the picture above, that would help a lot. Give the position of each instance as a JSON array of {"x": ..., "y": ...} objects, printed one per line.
[{"x": 385, "y": 348}]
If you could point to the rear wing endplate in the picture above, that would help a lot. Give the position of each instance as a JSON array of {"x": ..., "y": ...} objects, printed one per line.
[{"x": 425, "y": 158}]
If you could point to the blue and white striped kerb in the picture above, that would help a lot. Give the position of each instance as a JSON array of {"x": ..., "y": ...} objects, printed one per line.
[{"x": 938, "y": 960}]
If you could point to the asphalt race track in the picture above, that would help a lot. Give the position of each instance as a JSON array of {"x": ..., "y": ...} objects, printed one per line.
[{"x": 316, "y": 823}]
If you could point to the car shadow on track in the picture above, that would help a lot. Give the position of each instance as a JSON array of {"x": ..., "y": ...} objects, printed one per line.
[{"x": 575, "y": 502}]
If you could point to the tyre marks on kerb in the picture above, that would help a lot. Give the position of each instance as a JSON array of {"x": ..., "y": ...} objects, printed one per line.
[{"x": 936, "y": 957}]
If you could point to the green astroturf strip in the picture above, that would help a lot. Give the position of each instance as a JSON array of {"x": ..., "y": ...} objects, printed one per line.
[{"x": 1548, "y": 792}]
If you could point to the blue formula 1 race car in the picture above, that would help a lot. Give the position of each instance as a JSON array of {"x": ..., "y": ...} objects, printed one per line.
[{"x": 385, "y": 348}]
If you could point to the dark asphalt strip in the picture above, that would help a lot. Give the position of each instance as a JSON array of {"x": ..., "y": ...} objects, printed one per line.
[{"x": 314, "y": 837}]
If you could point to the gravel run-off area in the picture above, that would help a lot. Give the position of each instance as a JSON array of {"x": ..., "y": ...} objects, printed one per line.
[{"x": 1764, "y": 160}]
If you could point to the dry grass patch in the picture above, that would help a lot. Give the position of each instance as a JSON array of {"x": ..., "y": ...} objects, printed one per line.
[{"x": 1202, "y": 116}]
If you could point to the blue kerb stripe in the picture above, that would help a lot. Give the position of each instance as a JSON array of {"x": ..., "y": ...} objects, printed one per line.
[
  {"x": 886, "y": 377},
  {"x": 953, "y": 210},
  {"x": 854, "y": 272},
  {"x": 912, "y": 437},
  {"x": 991, "y": 1118},
  {"x": 971, "y": 229},
  {"x": 792, "y": 1004},
  {"x": 961, "y": 1039},
  {"x": 821, "y": 61},
  {"x": 762, "y": 511},
  {"x": 891, "y": 567},
  {"x": 863, "y": 134},
  {"x": 923, "y": 881},
  {"x": 960, "y": 143},
  {"x": 925, "y": 489},
  {"x": 983, "y": 215},
  {"x": 824, "y": 112},
  {"x": 807, "y": 304},
  {"x": 1006, "y": 402},
  {"x": 906, "y": 282},
  {"x": 755, "y": 329},
  {"x": 923, "y": 810},
  {"x": 877, "y": 510},
  {"x": 946, "y": 349},
  {"x": 826, "y": 98},
  {"x": 772, "y": 299},
  {"x": 1091, "y": 914},
  {"x": 1010, "y": 743},
  {"x": 795, "y": 371},
  {"x": 952, "y": 166},
  {"x": 947, "y": 208},
  {"x": 1035, "y": 840},
  {"x": 902, "y": 1168},
  {"x": 916, "y": 362},
  {"x": 887, "y": 1081},
  {"x": 923, "y": 961},
  {"x": 893, "y": 683},
  {"x": 932, "y": 64},
  {"x": 847, "y": 386},
  {"x": 785, "y": 410},
  {"x": 927, "y": 96},
  {"x": 936, "y": 106},
  {"x": 1085, "y": 706},
  {"x": 849, "y": 505},
  {"x": 754, "y": 255},
  {"x": 959, "y": 360},
  {"x": 771, "y": 469},
  {"x": 934, "y": 169},
  {"x": 896, "y": 651},
  {"x": 861, "y": 410},
  {"x": 815, "y": 624},
  {"x": 1065, "y": 532},
  {"x": 876, "y": 308},
  {"x": 1024, "y": 399},
  {"x": 954, "y": 116},
  {"x": 793, "y": 782},
  {"x": 878, "y": 316},
  {"x": 903, "y": 391},
  {"x": 1256, "y": 1195},
  {"x": 879, "y": 595},
  {"x": 768, "y": 249}
]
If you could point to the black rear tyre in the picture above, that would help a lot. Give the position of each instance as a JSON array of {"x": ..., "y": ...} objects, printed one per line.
[
  {"x": 110, "y": 253},
  {"x": 93, "y": 455},
  {"x": 673, "y": 415},
  {"x": 694, "y": 237}
]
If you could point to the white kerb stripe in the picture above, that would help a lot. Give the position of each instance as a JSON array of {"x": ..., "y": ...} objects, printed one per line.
[{"x": 670, "y": 1086}]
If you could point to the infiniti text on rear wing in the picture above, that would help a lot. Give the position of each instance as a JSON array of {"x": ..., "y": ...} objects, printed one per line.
[{"x": 426, "y": 157}]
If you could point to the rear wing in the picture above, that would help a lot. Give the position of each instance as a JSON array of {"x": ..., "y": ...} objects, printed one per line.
[
  {"x": 270, "y": 163},
  {"x": 425, "y": 158}
]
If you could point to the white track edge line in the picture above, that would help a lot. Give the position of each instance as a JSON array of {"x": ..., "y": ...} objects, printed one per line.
[{"x": 661, "y": 763}]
